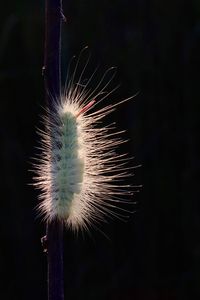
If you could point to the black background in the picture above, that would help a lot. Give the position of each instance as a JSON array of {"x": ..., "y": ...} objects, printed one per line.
[{"x": 156, "y": 48}]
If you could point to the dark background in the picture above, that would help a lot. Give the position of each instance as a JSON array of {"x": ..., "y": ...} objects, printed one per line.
[{"x": 156, "y": 47}]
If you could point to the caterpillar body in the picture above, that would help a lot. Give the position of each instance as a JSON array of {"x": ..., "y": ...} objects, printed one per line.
[{"x": 79, "y": 173}]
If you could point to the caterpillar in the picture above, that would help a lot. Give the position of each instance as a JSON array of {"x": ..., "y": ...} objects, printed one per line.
[{"x": 79, "y": 172}]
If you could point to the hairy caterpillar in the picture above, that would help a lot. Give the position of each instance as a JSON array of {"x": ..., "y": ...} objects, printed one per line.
[{"x": 79, "y": 173}]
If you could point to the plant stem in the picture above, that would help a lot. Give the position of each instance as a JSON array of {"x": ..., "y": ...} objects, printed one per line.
[
  {"x": 53, "y": 20},
  {"x": 51, "y": 71},
  {"x": 55, "y": 261}
]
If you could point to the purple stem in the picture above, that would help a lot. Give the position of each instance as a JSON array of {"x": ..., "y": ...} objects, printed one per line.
[
  {"x": 55, "y": 261},
  {"x": 51, "y": 69},
  {"x": 52, "y": 80}
]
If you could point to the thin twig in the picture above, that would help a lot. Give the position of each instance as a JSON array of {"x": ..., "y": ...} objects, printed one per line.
[{"x": 51, "y": 72}]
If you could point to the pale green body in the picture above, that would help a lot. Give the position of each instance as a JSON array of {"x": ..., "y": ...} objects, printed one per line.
[{"x": 69, "y": 175}]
